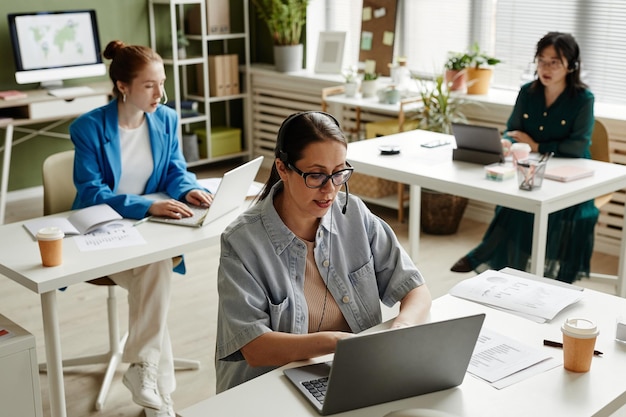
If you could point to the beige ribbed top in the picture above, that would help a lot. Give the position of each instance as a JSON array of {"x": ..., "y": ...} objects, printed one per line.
[{"x": 324, "y": 313}]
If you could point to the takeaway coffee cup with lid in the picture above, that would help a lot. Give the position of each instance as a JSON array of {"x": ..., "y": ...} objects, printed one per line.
[
  {"x": 50, "y": 241},
  {"x": 579, "y": 340},
  {"x": 520, "y": 151}
]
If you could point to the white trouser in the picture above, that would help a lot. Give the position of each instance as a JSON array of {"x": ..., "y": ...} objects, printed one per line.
[{"x": 148, "y": 304}]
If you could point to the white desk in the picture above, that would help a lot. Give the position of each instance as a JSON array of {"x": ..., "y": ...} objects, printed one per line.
[
  {"x": 40, "y": 107},
  {"x": 556, "y": 393},
  {"x": 434, "y": 169},
  {"x": 20, "y": 261}
]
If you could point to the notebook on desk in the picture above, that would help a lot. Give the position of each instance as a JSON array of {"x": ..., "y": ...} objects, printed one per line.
[
  {"x": 390, "y": 365},
  {"x": 230, "y": 194}
]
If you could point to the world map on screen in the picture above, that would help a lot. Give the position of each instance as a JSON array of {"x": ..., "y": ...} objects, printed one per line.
[{"x": 56, "y": 40}]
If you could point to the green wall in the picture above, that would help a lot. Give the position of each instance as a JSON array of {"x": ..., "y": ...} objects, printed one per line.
[{"x": 126, "y": 20}]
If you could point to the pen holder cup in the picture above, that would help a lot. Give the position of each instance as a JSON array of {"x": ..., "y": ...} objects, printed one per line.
[{"x": 530, "y": 174}]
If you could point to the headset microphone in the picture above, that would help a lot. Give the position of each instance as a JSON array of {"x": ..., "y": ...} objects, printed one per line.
[{"x": 345, "y": 205}]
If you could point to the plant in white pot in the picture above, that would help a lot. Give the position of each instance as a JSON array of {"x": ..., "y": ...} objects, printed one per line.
[
  {"x": 369, "y": 84},
  {"x": 441, "y": 213},
  {"x": 285, "y": 20},
  {"x": 351, "y": 81}
]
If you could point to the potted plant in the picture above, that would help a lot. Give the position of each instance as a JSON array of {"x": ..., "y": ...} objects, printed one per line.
[
  {"x": 351, "y": 77},
  {"x": 285, "y": 20},
  {"x": 479, "y": 70},
  {"x": 182, "y": 43},
  {"x": 441, "y": 213},
  {"x": 368, "y": 86},
  {"x": 456, "y": 74}
]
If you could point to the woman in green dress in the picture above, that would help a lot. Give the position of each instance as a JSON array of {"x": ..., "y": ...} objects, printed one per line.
[{"x": 553, "y": 113}]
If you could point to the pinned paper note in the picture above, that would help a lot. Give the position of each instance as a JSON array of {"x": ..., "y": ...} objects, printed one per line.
[
  {"x": 388, "y": 38},
  {"x": 370, "y": 66},
  {"x": 380, "y": 12},
  {"x": 366, "y": 41},
  {"x": 367, "y": 14}
]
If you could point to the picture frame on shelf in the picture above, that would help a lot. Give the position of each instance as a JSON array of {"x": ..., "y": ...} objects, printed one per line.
[{"x": 330, "y": 51}]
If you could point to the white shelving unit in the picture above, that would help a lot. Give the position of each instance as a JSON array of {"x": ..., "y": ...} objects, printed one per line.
[{"x": 229, "y": 110}]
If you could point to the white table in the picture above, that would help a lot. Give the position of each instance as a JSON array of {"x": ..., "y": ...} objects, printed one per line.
[
  {"x": 434, "y": 169},
  {"x": 556, "y": 392},
  {"x": 20, "y": 261},
  {"x": 41, "y": 108}
]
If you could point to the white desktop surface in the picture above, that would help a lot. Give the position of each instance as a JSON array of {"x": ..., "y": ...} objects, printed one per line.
[
  {"x": 21, "y": 262},
  {"x": 434, "y": 169},
  {"x": 555, "y": 393}
]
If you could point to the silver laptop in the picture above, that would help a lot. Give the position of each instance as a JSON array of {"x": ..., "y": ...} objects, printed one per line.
[
  {"x": 230, "y": 194},
  {"x": 390, "y": 365},
  {"x": 478, "y": 144}
]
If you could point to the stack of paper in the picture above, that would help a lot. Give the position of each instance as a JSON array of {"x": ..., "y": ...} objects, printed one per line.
[{"x": 536, "y": 299}]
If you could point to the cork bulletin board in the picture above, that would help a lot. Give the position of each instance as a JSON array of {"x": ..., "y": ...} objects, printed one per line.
[{"x": 378, "y": 31}]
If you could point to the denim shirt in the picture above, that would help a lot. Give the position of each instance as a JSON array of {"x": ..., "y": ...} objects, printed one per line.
[{"x": 261, "y": 277}]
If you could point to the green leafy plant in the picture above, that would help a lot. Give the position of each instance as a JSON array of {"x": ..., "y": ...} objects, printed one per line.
[
  {"x": 457, "y": 61},
  {"x": 350, "y": 74},
  {"x": 474, "y": 58},
  {"x": 480, "y": 59},
  {"x": 284, "y": 18},
  {"x": 370, "y": 76},
  {"x": 439, "y": 107},
  {"x": 182, "y": 39}
]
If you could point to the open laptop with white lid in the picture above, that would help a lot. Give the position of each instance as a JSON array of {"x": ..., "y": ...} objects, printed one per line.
[
  {"x": 230, "y": 194},
  {"x": 390, "y": 365}
]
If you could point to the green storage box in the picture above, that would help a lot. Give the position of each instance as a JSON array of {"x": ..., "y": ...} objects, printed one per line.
[{"x": 224, "y": 141}]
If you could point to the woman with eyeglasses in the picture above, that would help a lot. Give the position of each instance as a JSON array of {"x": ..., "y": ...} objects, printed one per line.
[
  {"x": 123, "y": 150},
  {"x": 307, "y": 265},
  {"x": 552, "y": 114}
]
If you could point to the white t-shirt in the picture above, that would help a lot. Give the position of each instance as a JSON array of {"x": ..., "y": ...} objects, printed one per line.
[{"x": 137, "y": 161}]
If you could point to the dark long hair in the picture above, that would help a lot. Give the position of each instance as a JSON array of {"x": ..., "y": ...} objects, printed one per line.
[
  {"x": 566, "y": 47},
  {"x": 295, "y": 134}
]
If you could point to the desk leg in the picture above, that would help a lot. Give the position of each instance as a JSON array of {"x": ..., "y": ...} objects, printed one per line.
[
  {"x": 415, "y": 206},
  {"x": 538, "y": 253},
  {"x": 621, "y": 267},
  {"x": 53, "y": 353},
  {"x": 6, "y": 166}
]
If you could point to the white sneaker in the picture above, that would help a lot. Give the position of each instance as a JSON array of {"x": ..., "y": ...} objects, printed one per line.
[
  {"x": 141, "y": 380},
  {"x": 166, "y": 410}
]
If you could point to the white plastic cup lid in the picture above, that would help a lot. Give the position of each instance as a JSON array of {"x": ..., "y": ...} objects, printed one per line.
[
  {"x": 50, "y": 233},
  {"x": 580, "y": 328},
  {"x": 520, "y": 146}
]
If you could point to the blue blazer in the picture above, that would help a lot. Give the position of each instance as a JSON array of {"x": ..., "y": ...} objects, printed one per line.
[{"x": 97, "y": 162}]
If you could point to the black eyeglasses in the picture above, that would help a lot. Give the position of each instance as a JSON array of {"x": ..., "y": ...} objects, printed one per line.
[{"x": 319, "y": 179}]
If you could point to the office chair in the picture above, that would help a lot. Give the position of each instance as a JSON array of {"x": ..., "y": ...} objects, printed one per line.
[
  {"x": 600, "y": 151},
  {"x": 58, "y": 196}
]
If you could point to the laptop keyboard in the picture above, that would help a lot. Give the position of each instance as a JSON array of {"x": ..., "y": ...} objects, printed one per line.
[{"x": 317, "y": 388}]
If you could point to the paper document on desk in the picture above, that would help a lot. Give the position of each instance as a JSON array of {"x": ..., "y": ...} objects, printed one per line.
[
  {"x": 536, "y": 300},
  {"x": 503, "y": 361}
]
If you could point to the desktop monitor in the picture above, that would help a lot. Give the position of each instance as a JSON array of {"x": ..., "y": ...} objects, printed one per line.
[{"x": 50, "y": 47}]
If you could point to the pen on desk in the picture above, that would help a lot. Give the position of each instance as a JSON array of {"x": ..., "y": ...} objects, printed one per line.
[
  {"x": 560, "y": 345},
  {"x": 138, "y": 222}
]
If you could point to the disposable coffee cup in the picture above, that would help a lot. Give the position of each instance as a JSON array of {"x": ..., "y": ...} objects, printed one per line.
[
  {"x": 520, "y": 151},
  {"x": 579, "y": 341},
  {"x": 50, "y": 241}
]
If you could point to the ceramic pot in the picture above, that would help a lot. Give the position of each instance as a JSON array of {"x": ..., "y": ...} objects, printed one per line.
[
  {"x": 478, "y": 80},
  {"x": 456, "y": 80},
  {"x": 288, "y": 58},
  {"x": 368, "y": 88},
  {"x": 351, "y": 89}
]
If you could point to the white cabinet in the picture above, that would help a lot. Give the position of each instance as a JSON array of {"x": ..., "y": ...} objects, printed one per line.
[
  {"x": 20, "y": 394},
  {"x": 193, "y": 78}
]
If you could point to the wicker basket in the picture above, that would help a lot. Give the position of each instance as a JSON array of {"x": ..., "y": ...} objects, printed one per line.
[
  {"x": 373, "y": 187},
  {"x": 441, "y": 213}
]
